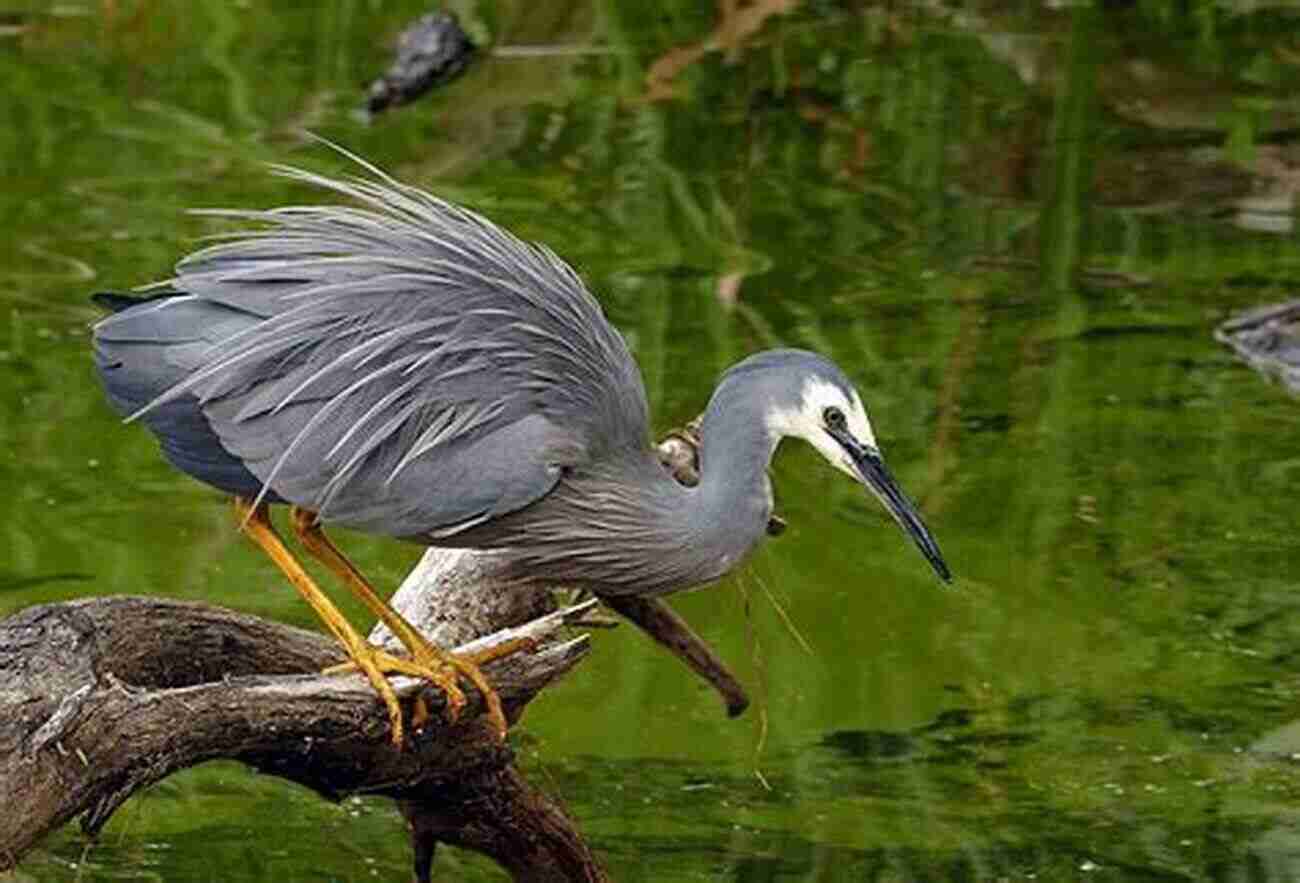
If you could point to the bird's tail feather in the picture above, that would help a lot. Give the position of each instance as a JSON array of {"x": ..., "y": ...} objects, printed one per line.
[{"x": 115, "y": 302}]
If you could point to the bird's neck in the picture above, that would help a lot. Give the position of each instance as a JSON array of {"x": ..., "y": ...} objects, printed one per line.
[
  {"x": 736, "y": 447},
  {"x": 733, "y": 500}
]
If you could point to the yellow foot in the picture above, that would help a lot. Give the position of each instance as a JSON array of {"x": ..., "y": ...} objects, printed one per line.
[
  {"x": 442, "y": 672},
  {"x": 442, "y": 677}
]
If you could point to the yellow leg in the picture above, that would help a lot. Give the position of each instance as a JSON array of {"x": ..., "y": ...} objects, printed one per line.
[
  {"x": 427, "y": 660},
  {"x": 256, "y": 523}
]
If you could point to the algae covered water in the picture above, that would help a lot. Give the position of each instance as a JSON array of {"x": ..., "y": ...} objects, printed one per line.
[{"x": 1015, "y": 224}]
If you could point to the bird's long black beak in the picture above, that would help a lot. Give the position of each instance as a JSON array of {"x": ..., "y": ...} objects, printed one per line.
[{"x": 875, "y": 475}]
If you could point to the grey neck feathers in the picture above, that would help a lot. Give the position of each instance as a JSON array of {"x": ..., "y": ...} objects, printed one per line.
[
  {"x": 736, "y": 450},
  {"x": 730, "y": 506}
]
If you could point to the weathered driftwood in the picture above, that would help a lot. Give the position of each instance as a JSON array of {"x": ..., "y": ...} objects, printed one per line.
[{"x": 100, "y": 698}]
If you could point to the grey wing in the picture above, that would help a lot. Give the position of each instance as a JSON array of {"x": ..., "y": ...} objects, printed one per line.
[
  {"x": 416, "y": 369},
  {"x": 144, "y": 348}
]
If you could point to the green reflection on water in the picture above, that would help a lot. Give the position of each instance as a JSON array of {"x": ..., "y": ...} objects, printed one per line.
[{"x": 1106, "y": 691}]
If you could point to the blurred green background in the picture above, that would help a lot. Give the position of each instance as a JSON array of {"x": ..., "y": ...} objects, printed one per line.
[{"x": 1015, "y": 224}]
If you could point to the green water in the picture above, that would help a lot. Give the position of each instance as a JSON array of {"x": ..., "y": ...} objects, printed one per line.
[{"x": 1015, "y": 227}]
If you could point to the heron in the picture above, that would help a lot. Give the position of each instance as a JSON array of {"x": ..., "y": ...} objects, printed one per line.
[{"x": 397, "y": 364}]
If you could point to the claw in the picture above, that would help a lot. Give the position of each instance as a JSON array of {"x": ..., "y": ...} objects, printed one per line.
[
  {"x": 419, "y": 714},
  {"x": 441, "y": 676}
]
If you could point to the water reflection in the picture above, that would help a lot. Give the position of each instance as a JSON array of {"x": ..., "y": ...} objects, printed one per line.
[{"x": 1016, "y": 225}]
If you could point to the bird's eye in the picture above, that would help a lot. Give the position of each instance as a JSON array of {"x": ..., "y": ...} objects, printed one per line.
[{"x": 834, "y": 418}]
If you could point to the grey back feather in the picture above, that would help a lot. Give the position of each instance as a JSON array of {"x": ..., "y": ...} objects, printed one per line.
[{"x": 416, "y": 369}]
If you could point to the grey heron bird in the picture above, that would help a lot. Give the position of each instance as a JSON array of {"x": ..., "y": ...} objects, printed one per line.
[{"x": 400, "y": 365}]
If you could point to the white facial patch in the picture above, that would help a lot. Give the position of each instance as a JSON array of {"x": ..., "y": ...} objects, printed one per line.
[{"x": 807, "y": 422}]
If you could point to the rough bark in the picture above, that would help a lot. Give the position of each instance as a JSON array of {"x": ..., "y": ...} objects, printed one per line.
[{"x": 101, "y": 698}]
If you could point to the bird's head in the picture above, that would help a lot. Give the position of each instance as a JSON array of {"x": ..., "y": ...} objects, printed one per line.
[{"x": 809, "y": 397}]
